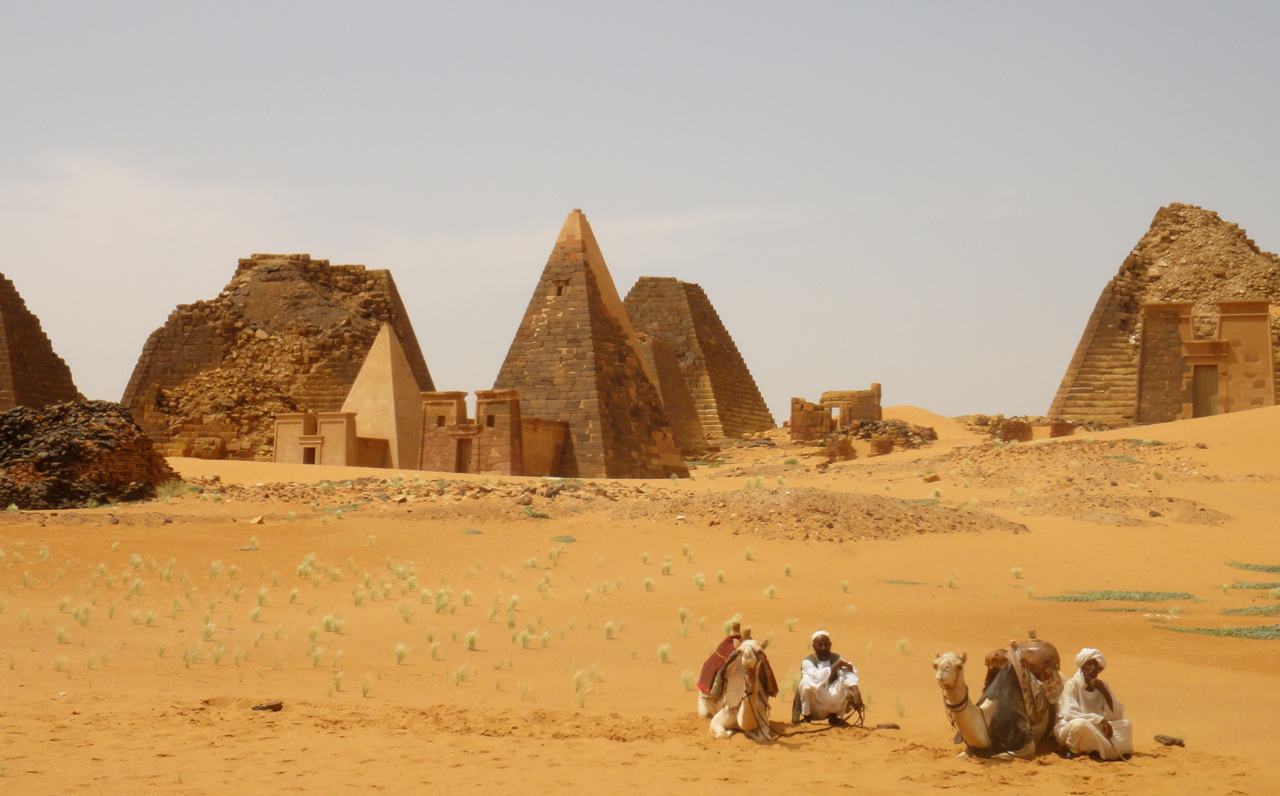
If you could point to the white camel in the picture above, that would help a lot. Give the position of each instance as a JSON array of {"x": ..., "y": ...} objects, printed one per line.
[
  {"x": 743, "y": 704},
  {"x": 990, "y": 725}
]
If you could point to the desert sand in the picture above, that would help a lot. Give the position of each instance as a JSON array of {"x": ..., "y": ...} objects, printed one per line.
[{"x": 115, "y": 687}]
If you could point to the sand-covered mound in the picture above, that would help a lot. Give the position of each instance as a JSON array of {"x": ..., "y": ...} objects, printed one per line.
[{"x": 66, "y": 455}]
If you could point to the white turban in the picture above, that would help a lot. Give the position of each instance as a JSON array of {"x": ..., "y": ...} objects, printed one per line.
[
  {"x": 819, "y": 634},
  {"x": 1089, "y": 654}
]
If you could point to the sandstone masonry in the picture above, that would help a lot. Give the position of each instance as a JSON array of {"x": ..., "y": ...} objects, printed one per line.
[{"x": 31, "y": 374}]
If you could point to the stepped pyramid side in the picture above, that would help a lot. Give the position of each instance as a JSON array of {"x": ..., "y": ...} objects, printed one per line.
[
  {"x": 576, "y": 359},
  {"x": 1190, "y": 255},
  {"x": 287, "y": 334},
  {"x": 680, "y": 314},
  {"x": 31, "y": 374}
]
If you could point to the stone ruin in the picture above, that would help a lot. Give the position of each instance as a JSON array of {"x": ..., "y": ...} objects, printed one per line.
[
  {"x": 577, "y": 359},
  {"x": 68, "y": 454},
  {"x": 288, "y": 334},
  {"x": 679, "y": 313},
  {"x": 1189, "y": 327},
  {"x": 837, "y": 410},
  {"x": 31, "y": 374}
]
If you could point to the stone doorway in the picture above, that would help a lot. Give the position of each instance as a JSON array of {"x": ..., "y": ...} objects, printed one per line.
[{"x": 1204, "y": 391}]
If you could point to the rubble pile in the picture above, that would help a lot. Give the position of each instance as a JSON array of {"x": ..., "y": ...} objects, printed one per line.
[
  {"x": 990, "y": 424},
  {"x": 903, "y": 434},
  {"x": 67, "y": 455}
]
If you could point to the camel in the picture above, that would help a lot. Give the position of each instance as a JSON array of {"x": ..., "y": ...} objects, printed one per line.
[
  {"x": 739, "y": 699},
  {"x": 1016, "y": 709}
]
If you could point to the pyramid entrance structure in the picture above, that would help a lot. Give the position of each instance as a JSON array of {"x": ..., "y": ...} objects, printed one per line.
[
  {"x": 576, "y": 358},
  {"x": 288, "y": 334},
  {"x": 1189, "y": 327},
  {"x": 679, "y": 313},
  {"x": 31, "y": 374}
]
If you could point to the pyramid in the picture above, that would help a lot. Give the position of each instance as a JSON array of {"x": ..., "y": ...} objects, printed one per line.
[
  {"x": 387, "y": 400},
  {"x": 575, "y": 358},
  {"x": 1189, "y": 258},
  {"x": 679, "y": 313},
  {"x": 287, "y": 334},
  {"x": 31, "y": 374}
]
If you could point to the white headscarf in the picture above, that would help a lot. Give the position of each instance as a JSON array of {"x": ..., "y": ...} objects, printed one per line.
[
  {"x": 821, "y": 633},
  {"x": 1089, "y": 654}
]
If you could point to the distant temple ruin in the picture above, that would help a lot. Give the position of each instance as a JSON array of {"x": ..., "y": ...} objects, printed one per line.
[
  {"x": 679, "y": 313},
  {"x": 1189, "y": 327},
  {"x": 837, "y": 410},
  {"x": 288, "y": 334},
  {"x": 31, "y": 374},
  {"x": 575, "y": 358}
]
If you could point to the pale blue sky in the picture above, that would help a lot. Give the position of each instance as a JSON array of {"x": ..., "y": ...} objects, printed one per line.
[{"x": 928, "y": 195}]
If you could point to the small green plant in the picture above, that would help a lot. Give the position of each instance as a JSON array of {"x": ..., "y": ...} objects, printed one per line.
[
  {"x": 666, "y": 566},
  {"x": 771, "y": 592},
  {"x": 171, "y": 489},
  {"x": 748, "y": 555},
  {"x": 687, "y": 679},
  {"x": 664, "y": 653},
  {"x": 902, "y": 646},
  {"x": 649, "y": 584},
  {"x": 62, "y": 636},
  {"x": 791, "y": 625},
  {"x": 537, "y": 515},
  {"x": 720, "y": 576},
  {"x": 951, "y": 581},
  {"x": 1017, "y": 572},
  {"x": 787, "y": 570},
  {"x": 366, "y": 687},
  {"x": 400, "y": 651},
  {"x": 844, "y": 586},
  {"x": 473, "y": 636}
]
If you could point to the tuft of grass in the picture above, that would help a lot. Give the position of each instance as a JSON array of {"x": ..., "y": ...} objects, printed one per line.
[
  {"x": 608, "y": 630},
  {"x": 399, "y": 652},
  {"x": 1254, "y": 610},
  {"x": 1261, "y": 632},
  {"x": 683, "y": 613},
  {"x": 1255, "y": 567},
  {"x": 664, "y": 653},
  {"x": 902, "y": 646},
  {"x": 787, "y": 569},
  {"x": 771, "y": 592},
  {"x": 791, "y": 625},
  {"x": 62, "y": 636},
  {"x": 1117, "y": 596},
  {"x": 951, "y": 581},
  {"x": 720, "y": 578},
  {"x": 649, "y": 584},
  {"x": 748, "y": 555},
  {"x": 687, "y": 679},
  {"x": 172, "y": 489},
  {"x": 1017, "y": 572},
  {"x": 367, "y": 686},
  {"x": 473, "y": 636},
  {"x": 699, "y": 581}
]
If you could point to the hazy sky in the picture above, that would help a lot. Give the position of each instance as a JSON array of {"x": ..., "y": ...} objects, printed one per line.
[{"x": 928, "y": 195}]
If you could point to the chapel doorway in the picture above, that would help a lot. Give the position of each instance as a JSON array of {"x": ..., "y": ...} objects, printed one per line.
[{"x": 1204, "y": 391}]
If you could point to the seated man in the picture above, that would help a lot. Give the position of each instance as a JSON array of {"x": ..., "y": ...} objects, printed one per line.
[
  {"x": 828, "y": 686},
  {"x": 1090, "y": 720}
]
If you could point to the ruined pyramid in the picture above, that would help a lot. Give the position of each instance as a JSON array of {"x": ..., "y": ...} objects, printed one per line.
[
  {"x": 31, "y": 374},
  {"x": 287, "y": 334},
  {"x": 575, "y": 358},
  {"x": 387, "y": 400},
  {"x": 679, "y": 313},
  {"x": 1189, "y": 256}
]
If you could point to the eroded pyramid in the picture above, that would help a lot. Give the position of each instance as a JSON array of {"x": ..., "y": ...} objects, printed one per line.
[
  {"x": 575, "y": 358},
  {"x": 1189, "y": 256},
  {"x": 287, "y": 334},
  {"x": 31, "y": 374},
  {"x": 680, "y": 314}
]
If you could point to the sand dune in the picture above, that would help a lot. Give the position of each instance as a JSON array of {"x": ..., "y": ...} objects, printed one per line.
[{"x": 111, "y": 703}]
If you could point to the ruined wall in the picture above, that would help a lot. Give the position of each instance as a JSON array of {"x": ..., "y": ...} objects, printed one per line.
[
  {"x": 728, "y": 400},
  {"x": 809, "y": 421},
  {"x": 31, "y": 374},
  {"x": 287, "y": 334},
  {"x": 574, "y": 359},
  {"x": 1163, "y": 393},
  {"x": 1188, "y": 255}
]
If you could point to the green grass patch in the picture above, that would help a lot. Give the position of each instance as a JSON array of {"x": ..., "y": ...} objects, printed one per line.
[
  {"x": 537, "y": 515},
  {"x": 1261, "y": 632},
  {"x": 344, "y": 509},
  {"x": 566, "y": 539},
  {"x": 927, "y": 501},
  {"x": 1255, "y": 567},
  {"x": 1253, "y": 584},
  {"x": 905, "y": 582},
  {"x": 1254, "y": 610},
  {"x": 471, "y": 531},
  {"x": 1127, "y": 609},
  {"x": 1125, "y": 459},
  {"x": 1118, "y": 596}
]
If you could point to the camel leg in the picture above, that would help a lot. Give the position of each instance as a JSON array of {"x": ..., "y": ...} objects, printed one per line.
[{"x": 717, "y": 726}]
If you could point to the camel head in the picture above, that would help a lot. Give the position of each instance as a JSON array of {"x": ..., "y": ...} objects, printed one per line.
[
  {"x": 948, "y": 668},
  {"x": 752, "y": 653}
]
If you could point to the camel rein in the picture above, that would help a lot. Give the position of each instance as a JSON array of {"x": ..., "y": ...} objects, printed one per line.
[{"x": 960, "y": 706}]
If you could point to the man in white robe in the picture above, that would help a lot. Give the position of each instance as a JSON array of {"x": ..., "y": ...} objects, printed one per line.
[
  {"x": 1090, "y": 719},
  {"x": 828, "y": 685}
]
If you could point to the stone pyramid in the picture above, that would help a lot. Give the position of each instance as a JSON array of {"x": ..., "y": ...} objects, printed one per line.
[
  {"x": 287, "y": 334},
  {"x": 575, "y": 358},
  {"x": 387, "y": 400},
  {"x": 1190, "y": 255},
  {"x": 679, "y": 313},
  {"x": 31, "y": 374}
]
